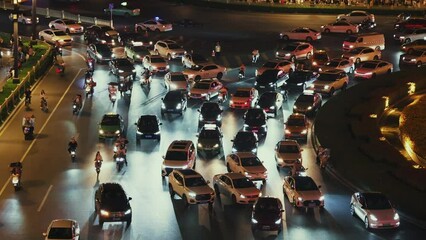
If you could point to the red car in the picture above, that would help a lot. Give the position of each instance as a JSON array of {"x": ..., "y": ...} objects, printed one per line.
[{"x": 411, "y": 23}]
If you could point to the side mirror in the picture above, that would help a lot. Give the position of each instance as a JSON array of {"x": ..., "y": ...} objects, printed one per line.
[
  {"x": 208, "y": 182},
  {"x": 130, "y": 198},
  {"x": 163, "y": 157},
  {"x": 282, "y": 210},
  {"x": 319, "y": 186},
  {"x": 198, "y": 110},
  {"x": 197, "y": 135},
  {"x": 136, "y": 124},
  {"x": 162, "y": 99},
  {"x": 160, "y": 124},
  {"x": 232, "y": 140}
]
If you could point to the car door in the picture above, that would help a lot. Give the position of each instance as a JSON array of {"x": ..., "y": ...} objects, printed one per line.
[
  {"x": 191, "y": 154},
  {"x": 346, "y": 64},
  {"x": 279, "y": 101},
  {"x": 382, "y": 68},
  {"x": 367, "y": 54},
  {"x": 228, "y": 187},
  {"x": 297, "y": 34},
  {"x": 299, "y": 51},
  {"x": 234, "y": 163},
  {"x": 178, "y": 185},
  {"x": 288, "y": 183}
]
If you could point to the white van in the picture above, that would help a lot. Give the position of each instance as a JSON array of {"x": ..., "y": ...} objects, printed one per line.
[{"x": 372, "y": 40}]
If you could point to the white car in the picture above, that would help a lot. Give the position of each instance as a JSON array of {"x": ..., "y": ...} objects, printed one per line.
[
  {"x": 205, "y": 89},
  {"x": 340, "y": 27},
  {"x": 339, "y": 63},
  {"x": 371, "y": 69},
  {"x": 416, "y": 57},
  {"x": 204, "y": 71},
  {"x": 304, "y": 34},
  {"x": 24, "y": 18},
  {"x": 329, "y": 81},
  {"x": 302, "y": 191},
  {"x": 68, "y": 26},
  {"x": 156, "y": 24},
  {"x": 63, "y": 229},
  {"x": 237, "y": 187},
  {"x": 362, "y": 54},
  {"x": 191, "y": 60},
  {"x": 51, "y": 36},
  {"x": 169, "y": 49},
  {"x": 356, "y": 16},
  {"x": 136, "y": 53},
  {"x": 283, "y": 65},
  {"x": 176, "y": 81},
  {"x": 287, "y": 152},
  {"x": 374, "y": 209},
  {"x": 247, "y": 164},
  {"x": 295, "y": 51},
  {"x": 410, "y": 35},
  {"x": 155, "y": 63}
]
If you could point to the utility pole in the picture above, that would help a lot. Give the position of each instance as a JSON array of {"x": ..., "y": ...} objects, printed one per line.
[
  {"x": 15, "y": 41},
  {"x": 34, "y": 19}
]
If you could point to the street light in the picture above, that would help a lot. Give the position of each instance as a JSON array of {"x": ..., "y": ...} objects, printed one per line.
[
  {"x": 34, "y": 19},
  {"x": 15, "y": 41}
]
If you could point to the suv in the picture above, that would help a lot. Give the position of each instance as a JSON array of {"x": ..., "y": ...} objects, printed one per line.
[
  {"x": 307, "y": 103},
  {"x": 296, "y": 127},
  {"x": 122, "y": 67},
  {"x": 330, "y": 81},
  {"x": 210, "y": 139},
  {"x": 111, "y": 125},
  {"x": 267, "y": 214},
  {"x": 271, "y": 79},
  {"x": 174, "y": 102},
  {"x": 287, "y": 152},
  {"x": 237, "y": 187},
  {"x": 255, "y": 121},
  {"x": 181, "y": 154},
  {"x": 191, "y": 187},
  {"x": 148, "y": 127},
  {"x": 102, "y": 34},
  {"x": 210, "y": 113},
  {"x": 169, "y": 49},
  {"x": 295, "y": 51},
  {"x": 112, "y": 204}
]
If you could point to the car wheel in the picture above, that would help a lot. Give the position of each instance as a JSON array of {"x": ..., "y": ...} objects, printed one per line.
[
  {"x": 216, "y": 190},
  {"x": 376, "y": 57},
  {"x": 419, "y": 64},
  {"x": 309, "y": 39},
  {"x": 331, "y": 93},
  {"x": 285, "y": 38},
  {"x": 308, "y": 55},
  {"x": 67, "y": 31},
  {"x": 294, "y": 202},
  {"x": 345, "y": 85},
  {"x": 349, "y": 31},
  {"x": 410, "y": 51},
  {"x": 139, "y": 29},
  {"x": 197, "y": 78},
  {"x": 326, "y": 30},
  {"x": 293, "y": 58},
  {"x": 169, "y": 57},
  {"x": 157, "y": 30},
  {"x": 352, "y": 210},
  {"x": 373, "y": 76},
  {"x": 219, "y": 76},
  {"x": 185, "y": 201},
  {"x": 358, "y": 61},
  {"x": 366, "y": 223},
  {"x": 171, "y": 191},
  {"x": 234, "y": 200},
  {"x": 407, "y": 40},
  {"x": 228, "y": 168}
]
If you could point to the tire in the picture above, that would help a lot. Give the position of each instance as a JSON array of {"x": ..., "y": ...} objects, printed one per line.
[
  {"x": 128, "y": 222},
  {"x": 376, "y": 57},
  {"x": 52, "y": 27},
  {"x": 344, "y": 87},
  {"x": 352, "y": 210},
  {"x": 358, "y": 61},
  {"x": 309, "y": 39},
  {"x": 139, "y": 29},
  {"x": 366, "y": 223},
  {"x": 185, "y": 201},
  {"x": 308, "y": 55},
  {"x": 216, "y": 190},
  {"x": 219, "y": 76},
  {"x": 331, "y": 93},
  {"x": 419, "y": 64},
  {"x": 293, "y": 59},
  {"x": 349, "y": 31},
  {"x": 67, "y": 31},
  {"x": 407, "y": 40},
  {"x": 326, "y": 30},
  {"x": 234, "y": 200},
  {"x": 285, "y": 38},
  {"x": 171, "y": 191},
  {"x": 228, "y": 168}
]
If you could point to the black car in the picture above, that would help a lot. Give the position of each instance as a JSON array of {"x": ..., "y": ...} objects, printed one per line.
[
  {"x": 300, "y": 79},
  {"x": 100, "y": 52},
  {"x": 271, "y": 102},
  {"x": 210, "y": 113},
  {"x": 267, "y": 214},
  {"x": 148, "y": 127},
  {"x": 102, "y": 34},
  {"x": 112, "y": 204},
  {"x": 307, "y": 103},
  {"x": 271, "y": 79},
  {"x": 245, "y": 142},
  {"x": 122, "y": 67},
  {"x": 255, "y": 121},
  {"x": 210, "y": 139},
  {"x": 134, "y": 39},
  {"x": 174, "y": 102}
]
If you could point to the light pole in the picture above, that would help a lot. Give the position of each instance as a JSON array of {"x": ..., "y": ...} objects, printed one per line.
[
  {"x": 34, "y": 19},
  {"x": 15, "y": 41}
]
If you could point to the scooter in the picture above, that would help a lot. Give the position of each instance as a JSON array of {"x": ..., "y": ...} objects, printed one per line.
[
  {"x": 73, "y": 154},
  {"x": 75, "y": 108},
  {"x": 119, "y": 162},
  {"x": 28, "y": 134},
  {"x": 98, "y": 165},
  {"x": 16, "y": 182},
  {"x": 27, "y": 103}
]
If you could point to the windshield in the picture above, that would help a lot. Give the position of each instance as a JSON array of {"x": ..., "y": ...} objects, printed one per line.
[
  {"x": 140, "y": 49},
  {"x": 200, "y": 85},
  {"x": 178, "y": 78},
  {"x": 250, "y": 162},
  {"x": 106, "y": 28},
  {"x": 270, "y": 64},
  {"x": 320, "y": 56},
  {"x": 290, "y": 48},
  {"x": 332, "y": 64},
  {"x": 255, "y": 117},
  {"x": 148, "y": 123},
  {"x": 174, "y": 46},
  {"x": 124, "y": 62},
  {"x": 209, "y": 134},
  {"x": 296, "y": 122},
  {"x": 173, "y": 96},
  {"x": 267, "y": 205},
  {"x": 305, "y": 184},
  {"x": 288, "y": 149},
  {"x": 60, "y": 233},
  {"x": 157, "y": 60},
  {"x": 327, "y": 77},
  {"x": 351, "y": 39},
  {"x": 176, "y": 155},
  {"x": 60, "y": 33},
  {"x": 242, "y": 183},
  {"x": 210, "y": 107},
  {"x": 195, "y": 182},
  {"x": 110, "y": 121},
  {"x": 103, "y": 48},
  {"x": 376, "y": 201},
  {"x": 305, "y": 98},
  {"x": 162, "y": 22},
  {"x": 67, "y": 22},
  {"x": 417, "y": 53},
  {"x": 369, "y": 65},
  {"x": 242, "y": 94},
  {"x": 245, "y": 139},
  {"x": 356, "y": 50}
]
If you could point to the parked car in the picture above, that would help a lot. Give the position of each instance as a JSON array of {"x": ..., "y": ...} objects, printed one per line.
[
  {"x": 100, "y": 52},
  {"x": 66, "y": 25},
  {"x": 174, "y": 102},
  {"x": 112, "y": 204},
  {"x": 267, "y": 214},
  {"x": 416, "y": 58},
  {"x": 51, "y": 36},
  {"x": 302, "y": 191},
  {"x": 307, "y": 103},
  {"x": 63, "y": 229},
  {"x": 356, "y": 17},
  {"x": 371, "y": 69},
  {"x": 244, "y": 98},
  {"x": 271, "y": 102},
  {"x": 295, "y": 51},
  {"x": 340, "y": 27},
  {"x": 287, "y": 152},
  {"x": 330, "y": 81},
  {"x": 301, "y": 33},
  {"x": 362, "y": 54},
  {"x": 247, "y": 164},
  {"x": 374, "y": 209},
  {"x": 25, "y": 17},
  {"x": 123, "y": 10},
  {"x": 296, "y": 127},
  {"x": 237, "y": 187},
  {"x": 155, "y": 25},
  {"x": 181, "y": 154},
  {"x": 411, "y": 23},
  {"x": 148, "y": 127}
]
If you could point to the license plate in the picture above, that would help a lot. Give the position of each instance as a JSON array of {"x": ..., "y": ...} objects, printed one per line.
[
  {"x": 255, "y": 130},
  {"x": 262, "y": 86},
  {"x": 148, "y": 136},
  {"x": 312, "y": 204},
  {"x": 116, "y": 219},
  {"x": 266, "y": 227}
]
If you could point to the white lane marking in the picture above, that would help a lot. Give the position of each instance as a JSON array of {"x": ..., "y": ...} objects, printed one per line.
[
  {"x": 44, "y": 199},
  {"x": 44, "y": 125}
]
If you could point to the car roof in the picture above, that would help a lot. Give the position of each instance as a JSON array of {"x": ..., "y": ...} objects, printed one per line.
[
  {"x": 188, "y": 172},
  {"x": 112, "y": 187},
  {"x": 288, "y": 142},
  {"x": 244, "y": 154},
  {"x": 233, "y": 175},
  {"x": 297, "y": 115},
  {"x": 179, "y": 145},
  {"x": 62, "y": 223}
]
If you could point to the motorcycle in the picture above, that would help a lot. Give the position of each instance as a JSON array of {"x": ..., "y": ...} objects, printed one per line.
[
  {"x": 73, "y": 154},
  {"x": 27, "y": 103},
  {"x": 120, "y": 162},
  {"x": 44, "y": 107},
  {"x": 402, "y": 17},
  {"x": 16, "y": 182},
  {"x": 28, "y": 133},
  {"x": 323, "y": 155},
  {"x": 75, "y": 108},
  {"x": 367, "y": 24},
  {"x": 16, "y": 170},
  {"x": 98, "y": 165},
  {"x": 146, "y": 78},
  {"x": 89, "y": 90}
]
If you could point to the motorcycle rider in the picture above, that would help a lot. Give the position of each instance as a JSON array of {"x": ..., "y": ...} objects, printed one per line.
[
  {"x": 98, "y": 157},
  {"x": 90, "y": 87},
  {"x": 242, "y": 71},
  {"x": 72, "y": 145},
  {"x": 77, "y": 101},
  {"x": 223, "y": 93},
  {"x": 16, "y": 170},
  {"x": 57, "y": 50},
  {"x": 121, "y": 144},
  {"x": 28, "y": 95},
  {"x": 112, "y": 89},
  {"x": 90, "y": 64},
  {"x": 43, "y": 103},
  {"x": 146, "y": 76},
  {"x": 255, "y": 55}
]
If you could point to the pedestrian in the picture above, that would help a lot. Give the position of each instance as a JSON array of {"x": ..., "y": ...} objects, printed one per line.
[
  {"x": 43, "y": 94},
  {"x": 217, "y": 50},
  {"x": 28, "y": 95}
]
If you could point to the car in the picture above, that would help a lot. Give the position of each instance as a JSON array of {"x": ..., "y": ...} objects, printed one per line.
[
  {"x": 319, "y": 58},
  {"x": 174, "y": 102},
  {"x": 295, "y": 51},
  {"x": 362, "y": 54},
  {"x": 63, "y": 229},
  {"x": 112, "y": 204},
  {"x": 187, "y": 23},
  {"x": 411, "y": 23},
  {"x": 155, "y": 63},
  {"x": 409, "y": 35},
  {"x": 371, "y": 69},
  {"x": 300, "y": 79},
  {"x": 210, "y": 113},
  {"x": 245, "y": 141},
  {"x": 136, "y": 53},
  {"x": 271, "y": 102},
  {"x": 267, "y": 214},
  {"x": 123, "y": 10},
  {"x": 302, "y": 191},
  {"x": 205, "y": 89},
  {"x": 190, "y": 60},
  {"x": 66, "y": 25},
  {"x": 135, "y": 39},
  {"x": 176, "y": 81},
  {"x": 296, "y": 127},
  {"x": 148, "y": 127},
  {"x": 169, "y": 49},
  {"x": 111, "y": 125},
  {"x": 122, "y": 67},
  {"x": 191, "y": 187},
  {"x": 155, "y": 25},
  {"x": 374, "y": 209},
  {"x": 255, "y": 121},
  {"x": 414, "y": 45},
  {"x": 287, "y": 152},
  {"x": 329, "y": 81},
  {"x": 271, "y": 79},
  {"x": 247, "y": 164},
  {"x": 101, "y": 34},
  {"x": 301, "y": 33},
  {"x": 237, "y": 187},
  {"x": 181, "y": 154},
  {"x": 204, "y": 71},
  {"x": 340, "y": 27},
  {"x": 340, "y": 64},
  {"x": 417, "y": 58},
  {"x": 244, "y": 98},
  {"x": 356, "y": 17},
  {"x": 100, "y": 52},
  {"x": 307, "y": 103},
  {"x": 24, "y": 17},
  {"x": 210, "y": 139},
  {"x": 283, "y": 65},
  {"x": 51, "y": 36}
]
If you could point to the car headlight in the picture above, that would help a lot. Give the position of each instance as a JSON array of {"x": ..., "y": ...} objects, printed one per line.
[
  {"x": 104, "y": 213},
  {"x": 277, "y": 53},
  {"x": 310, "y": 107},
  {"x": 231, "y": 102},
  {"x": 278, "y": 221},
  {"x": 157, "y": 133},
  {"x": 396, "y": 216},
  {"x": 253, "y": 220},
  {"x": 138, "y": 132},
  {"x": 133, "y": 70},
  {"x": 242, "y": 196},
  {"x": 304, "y": 131},
  {"x": 219, "y": 117},
  {"x": 256, "y": 73},
  {"x": 117, "y": 132},
  {"x": 99, "y": 55},
  {"x": 200, "y": 145},
  {"x": 254, "y": 150},
  {"x": 234, "y": 149},
  {"x": 373, "y": 218},
  {"x": 120, "y": 71},
  {"x": 163, "y": 106},
  {"x": 103, "y": 41},
  {"x": 113, "y": 55},
  {"x": 300, "y": 199},
  {"x": 271, "y": 84},
  {"x": 179, "y": 106},
  {"x": 314, "y": 63},
  {"x": 321, "y": 198},
  {"x": 287, "y": 131},
  {"x": 287, "y": 54},
  {"x": 326, "y": 87},
  {"x": 128, "y": 211},
  {"x": 192, "y": 194},
  {"x": 413, "y": 60},
  {"x": 216, "y": 145},
  {"x": 101, "y": 131},
  {"x": 167, "y": 66},
  {"x": 272, "y": 107},
  {"x": 247, "y": 174},
  {"x": 294, "y": 107},
  {"x": 201, "y": 118}
]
